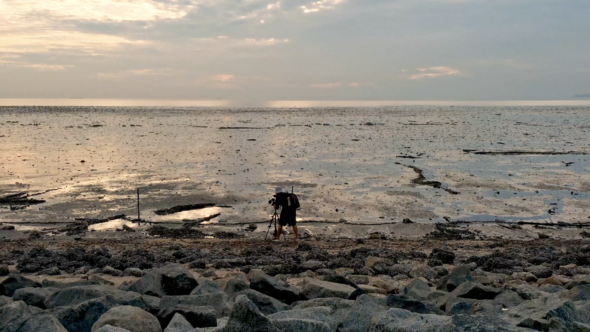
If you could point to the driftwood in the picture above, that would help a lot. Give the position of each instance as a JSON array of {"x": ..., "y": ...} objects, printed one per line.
[
  {"x": 182, "y": 208},
  {"x": 192, "y": 223},
  {"x": 92, "y": 221},
  {"x": 19, "y": 201}
]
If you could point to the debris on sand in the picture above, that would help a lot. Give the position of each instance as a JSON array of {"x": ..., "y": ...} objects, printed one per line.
[
  {"x": 227, "y": 235},
  {"x": 450, "y": 232},
  {"x": 193, "y": 223},
  {"x": 421, "y": 180},
  {"x": 181, "y": 233},
  {"x": 19, "y": 201},
  {"x": 182, "y": 208},
  {"x": 94, "y": 221},
  {"x": 525, "y": 152}
]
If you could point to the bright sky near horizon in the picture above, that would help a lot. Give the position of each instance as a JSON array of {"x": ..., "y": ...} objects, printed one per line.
[{"x": 295, "y": 49}]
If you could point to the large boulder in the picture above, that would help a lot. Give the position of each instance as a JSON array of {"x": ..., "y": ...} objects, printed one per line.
[
  {"x": 245, "y": 317},
  {"x": 544, "y": 313},
  {"x": 196, "y": 316},
  {"x": 340, "y": 279},
  {"x": 14, "y": 282},
  {"x": 400, "y": 320},
  {"x": 234, "y": 286},
  {"x": 59, "y": 284},
  {"x": 13, "y": 312},
  {"x": 301, "y": 325},
  {"x": 332, "y": 302},
  {"x": 443, "y": 254},
  {"x": 171, "y": 279},
  {"x": 76, "y": 295},
  {"x": 81, "y": 317},
  {"x": 278, "y": 289},
  {"x": 110, "y": 328},
  {"x": 360, "y": 315},
  {"x": 4, "y": 300},
  {"x": 34, "y": 296},
  {"x": 266, "y": 304},
  {"x": 206, "y": 286},
  {"x": 178, "y": 324},
  {"x": 403, "y": 302},
  {"x": 314, "y": 288},
  {"x": 579, "y": 293},
  {"x": 473, "y": 290},
  {"x": 320, "y": 317},
  {"x": 129, "y": 318},
  {"x": 418, "y": 289},
  {"x": 458, "y": 276},
  {"x": 219, "y": 301},
  {"x": 41, "y": 322}
]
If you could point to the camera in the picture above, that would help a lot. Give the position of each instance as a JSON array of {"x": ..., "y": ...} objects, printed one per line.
[{"x": 272, "y": 201}]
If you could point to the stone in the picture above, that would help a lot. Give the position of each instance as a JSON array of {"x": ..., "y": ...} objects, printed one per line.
[
  {"x": 371, "y": 261},
  {"x": 359, "y": 279},
  {"x": 12, "y": 312},
  {"x": 554, "y": 280},
  {"x": 372, "y": 290},
  {"x": 4, "y": 300},
  {"x": 152, "y": 303},
  {"x": 301, "y": 325},
  {"x": 34, "y": 296},
  {"x": 544, "y": 313},
  {"x": 320, "y": 315},
  {"x": 245, "y": 317},
  {"x": 482, "y": 323},
  {"x": 525, "y": 276},
  {"x": 316, "y": 288},
  {"x": 580, "y": 327},
  {"x": 473, "y": 290},
  {"x": 4, "y": 271},
  {"x": 332, "y": 302},
  {"x": 235, "y": 286},
  {"x": 552, "y": 289},
  {"x": 61, "y": 285},
  {"x": 313, "y": 265},
  {"x": 81, "y": 317},
  {"x": 266, "y": 304},
  {"x": 206, "y": 287},
  {"x": 400, "y": 320},
  {"x": 525, "y": 291},
  {"x": 403, "y": 302},
  {"x": 202, "y": 316},
  {"x": 540, "y": 271},
  {"x": 340, "y": 279},
  {"x": 133, "y": 272},
  {"x": 458, "y": 276},
  {"x": 443, "y": 254},
  {"x": 278, "y": 289},
  {"x": 508, "y": 299},
  {"x": 357, "y": 292},
  {"x": 110, "y": 328},
  {"x": 418, "y": 289},
  {"x": 112, "y": 271},
  {"x": 219, "y": 301},
  {"x": 178, "y": 324},
  {"x": 425, "y": 272},
  {"x": 171, "y": 279},
  {"x": 76, "y": 295},
  {"x": 40, "y": 322},
  {"x": 360, "y": 315},
  {"x": 14, "y": 282},
  {"x": 129, "y": 318},
  {"x": 579, "y": 293}
]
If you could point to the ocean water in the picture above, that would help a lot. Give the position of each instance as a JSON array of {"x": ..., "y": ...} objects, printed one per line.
[{"x": 358, "y": 164}]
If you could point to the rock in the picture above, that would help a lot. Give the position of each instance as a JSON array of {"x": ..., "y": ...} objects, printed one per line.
[
  {"x": 234, "y": 286},
  {"x": 458, "y": 276},
  {"x": 172, "y": 279},
  {"x": 443, "y": 254},
  {"x": 340, "y": 279},
  {"x": 52, "y": 271},
  {"x": 219, "y": 301},
  {"x": 110, "y": 328},
  {"x": 403, "y": 302},
  {"x": 525, "y": 276},
  {"x": 418, "y": 289},
  {"x": 152, "y": 303},
  {"x": 34, "y": 296},
  {"x": 40, "y": 322},
  {"x": 76, "y": 295},
  {"x": 580, "y": 327},
  {"x": 273, "y": 287},
  {"x": 360, "y": 315},
  {"x": 112, "y": 271},
  {"x": 425, "y": 272},
  {"x": 508, "y": 299},
  {"x": 178, "y": 324},
  {"x": 371, "y": 290},
  {"x": 400, "y": 320},
  {"x": 12, "y": 312},
  {"x": 202, "y": 316},
  {"x": 133, "y": 272},
  {"x": 313, "y": 319},
  {"x": 357, "y": 292},
  {"x": 391, "y": 286},
  {"x": 540, "y": 271},
  {"x": 14, "y": 282},
  {"x": 315, "y": 288},
  {"x": 551, "y": 289},
  {"x": 473, "y": 290},
  {"x": 62, "y": 285},
  {"x": 4, "y": 271},
  {"x": 129, "y": 318},
  {"x": 359, "y": 279},
  {"x": 543, "y": 314},
  {"x": 579, "y": 293},
  {"x": 333, "y": 302},
  {"x": 81, "y": 317},
  {"x": 245, "y": 317},
  {"x": 313, "y": 265},
  {"x": 371, "y": 261},
  {"x": 525, "y": 291},
  {"x": 206, "y": 286},
  {"x": 482, "y": 323},
  {"x": 266, "y": 304},
  {"x": 4, "y": 300},
  {"x": 568, "y": 270},
  {"x": 554, "y": 280}
]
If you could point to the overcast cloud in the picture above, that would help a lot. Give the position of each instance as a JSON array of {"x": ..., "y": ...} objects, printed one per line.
[{"x": 295, "y": 49}]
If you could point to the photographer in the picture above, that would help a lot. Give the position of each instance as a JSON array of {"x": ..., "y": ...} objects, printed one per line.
[{"x": 288, "y": 204}]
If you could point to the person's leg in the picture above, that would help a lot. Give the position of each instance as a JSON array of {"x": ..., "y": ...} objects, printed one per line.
[
  {"x": 296, "y": 233},
  {"x": 279, "y": 232}
]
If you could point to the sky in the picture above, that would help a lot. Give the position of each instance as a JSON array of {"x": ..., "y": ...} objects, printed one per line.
[{"x": 295, "y": 49}]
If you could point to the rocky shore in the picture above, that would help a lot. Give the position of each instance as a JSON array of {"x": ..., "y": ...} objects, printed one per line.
[{"x": 147, "y": 285}]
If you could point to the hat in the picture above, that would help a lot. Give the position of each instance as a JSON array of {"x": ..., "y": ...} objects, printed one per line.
[{"x": 278, "y": 190}]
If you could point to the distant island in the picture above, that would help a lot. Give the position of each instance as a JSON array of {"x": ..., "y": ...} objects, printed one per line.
[{"x": 582, "y": 96}]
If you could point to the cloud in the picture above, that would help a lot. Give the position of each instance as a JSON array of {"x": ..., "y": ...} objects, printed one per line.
[
  {"x": 326, "y": 85},
  {"x": 432, "y": 72},
  {"x": 223, "y": 78},
  {"x": 317, "y": 6},
  {"x": 134, "y": 72},
  {"x": 35, "y": 66}
]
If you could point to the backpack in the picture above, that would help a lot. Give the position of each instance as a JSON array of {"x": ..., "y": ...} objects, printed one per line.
[{"x": 295, "y": 200}]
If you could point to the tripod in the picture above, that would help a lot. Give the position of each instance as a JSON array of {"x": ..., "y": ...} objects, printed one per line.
[{"x": 274, "y": 219}]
